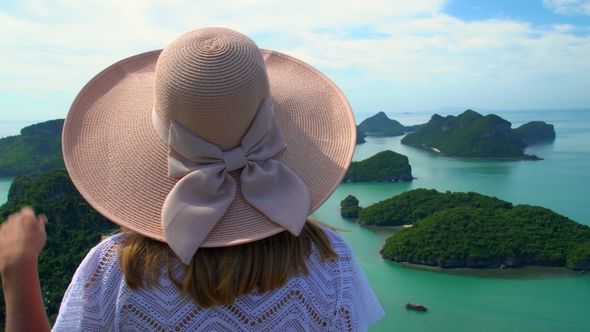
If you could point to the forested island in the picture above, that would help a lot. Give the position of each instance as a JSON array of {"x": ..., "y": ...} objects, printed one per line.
[
  {"x": 349, "y": 207},
  {"x": 385, "y": 166},
  {"x": 472, "y": 135},
  {"x": 35, "y": 151},
  {"x": 360, "y": 136},
  {"x": 381, "y": 124},
  {"x": 474, "y": 230}
]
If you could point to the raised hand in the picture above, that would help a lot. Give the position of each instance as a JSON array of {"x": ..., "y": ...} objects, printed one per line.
[{"x": 22, "y": 238}]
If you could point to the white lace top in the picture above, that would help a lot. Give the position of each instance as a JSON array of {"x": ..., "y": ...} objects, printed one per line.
[{"x": 335, "y": 296}]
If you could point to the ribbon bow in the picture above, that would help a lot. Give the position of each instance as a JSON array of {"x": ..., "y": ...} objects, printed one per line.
[{"x": 199, "y": 200}]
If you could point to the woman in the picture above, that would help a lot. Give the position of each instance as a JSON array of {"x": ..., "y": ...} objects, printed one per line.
[{"x": 211, "y": 153}]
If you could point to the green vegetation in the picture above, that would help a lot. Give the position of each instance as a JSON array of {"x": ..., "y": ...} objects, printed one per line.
[
  {"x": 411, "y": 206},
  {"x": 470, "y": 135},
  {"x": 473, "y": 230},
  {"x": 360, "y": 136},
  {"x": 534, "y": 131},
  {"x": 381, "y": 124},
  {"x": 73, "y": 229},
  {"x": 385, "y": 166},
  {"x": 35, "y": 151},
  {"x": 392, "y": 131},
  {"x": 349, "y": 207}
]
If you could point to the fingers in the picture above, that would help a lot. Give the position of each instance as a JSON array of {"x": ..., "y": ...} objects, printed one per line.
[
  {"x": 42, "y": 218},
  {"x": 13, "y": 217},
  {"x": 26, "y": 216}
]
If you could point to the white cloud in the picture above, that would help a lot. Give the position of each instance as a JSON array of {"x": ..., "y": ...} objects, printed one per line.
[
  {"x": 384, "y": 54},
  {"x": 568, "y": 6}
]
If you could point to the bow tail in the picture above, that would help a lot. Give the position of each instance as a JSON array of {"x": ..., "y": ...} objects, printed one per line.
[
  {"x": 277, "y": 192},
  {"x": 193, "y": 207}
]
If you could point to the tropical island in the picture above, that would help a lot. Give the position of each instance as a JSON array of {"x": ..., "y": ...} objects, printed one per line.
[
  {"x": 452, "y": 230},
  {"x": 472, "y": 135},
  {"x": 35, "y": 151},
  {"x": 534, "y": 131},
  {"x": 360, "y": 136},
  {"x": 381, "y": 124},
  {"x": 385, "y": 166},
  {"x": 349, "y": 207}
]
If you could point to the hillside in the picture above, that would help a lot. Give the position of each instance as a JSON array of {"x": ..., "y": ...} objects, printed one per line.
[
  {"x": 411, "y": 206},
  {"x": 474, "y": 230},
  {"x": 73, "y": 229},
  {"x": 360, "y": 136},
  {"x": 483, "y": 237},
  {"x": 381, "y": 124},
  {"x": 35, "y": 151},
  {"x": 349, "y": 207},
  {"x": 535, "y": 131},
  {"x": 470, "y": 135},
  {"x": 385, "y": 166}
]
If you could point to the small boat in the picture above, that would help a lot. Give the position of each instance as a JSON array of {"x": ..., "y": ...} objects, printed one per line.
[{"x": 416, "y": 307}]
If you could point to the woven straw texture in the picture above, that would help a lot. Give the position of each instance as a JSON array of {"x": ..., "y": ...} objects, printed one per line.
[{"x": 119, "y": 164}]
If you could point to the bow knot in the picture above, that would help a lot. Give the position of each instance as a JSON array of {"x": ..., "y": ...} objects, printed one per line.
[
  {"x": 234, "y": 159},
  {"x": 206, "y": 190}
]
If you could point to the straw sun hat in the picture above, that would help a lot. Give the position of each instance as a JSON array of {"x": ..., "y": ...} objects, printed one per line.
[{"x": 210, "y": 142}]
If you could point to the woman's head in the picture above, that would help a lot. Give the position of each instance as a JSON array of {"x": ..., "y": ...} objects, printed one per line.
[{"x": 211, "y": 142}]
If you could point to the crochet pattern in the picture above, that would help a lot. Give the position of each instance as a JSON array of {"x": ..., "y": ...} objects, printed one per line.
[{"x": 335, "y": 296}]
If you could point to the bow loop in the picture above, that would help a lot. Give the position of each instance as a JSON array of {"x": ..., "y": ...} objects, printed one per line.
[{"x": 206, "y": 190}]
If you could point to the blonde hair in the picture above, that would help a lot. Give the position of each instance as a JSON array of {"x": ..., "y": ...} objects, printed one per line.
[{"x": 216, "y": 276}]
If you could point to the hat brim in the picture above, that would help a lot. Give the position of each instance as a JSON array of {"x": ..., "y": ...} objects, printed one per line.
[{"x": 119, "y": 165}]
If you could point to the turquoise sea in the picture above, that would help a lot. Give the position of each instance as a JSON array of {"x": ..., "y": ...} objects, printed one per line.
[{"x": 525, "y": 299}]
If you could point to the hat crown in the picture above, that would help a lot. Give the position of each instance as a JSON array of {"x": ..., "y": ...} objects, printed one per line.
[{"x": 211, "y": 81}]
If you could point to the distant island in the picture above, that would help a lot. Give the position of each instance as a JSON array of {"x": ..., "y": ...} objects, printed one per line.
[
  {"x": 349, "y": 207},
  {"x": 534, "y": 131},
  {"x": 385, "y": 166},
  {"x": 35, "y": 151},
  {"x": 472, "y": 230},
  {"x": 381, "y": 124},
  {"x": 472, "y": 135},
  {"x": 360, "y": 136}
]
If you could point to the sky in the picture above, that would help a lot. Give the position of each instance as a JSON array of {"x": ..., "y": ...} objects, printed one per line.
[{"x": 385, "y": 55}]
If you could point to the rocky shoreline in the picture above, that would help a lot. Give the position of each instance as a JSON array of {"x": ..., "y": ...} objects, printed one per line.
[
  {"x": 426, "y": 147},
  {"x": 481, "y": 264}
]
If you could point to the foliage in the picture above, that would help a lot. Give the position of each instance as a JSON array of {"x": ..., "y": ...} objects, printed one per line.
[
  {"x": 73, "y": 229},
  {"x": 411, "y": 206},
  {"x": 385, "y": 166},
  {"x": 349, "y": 201},
  {"x": 35, "y": 151},
  {"x": 349, "y": 207},
  {"x": 478, "y": 237},
  {"x": 360, "y": 136},
  {"x": 393, "y": 131},
  {"x": 379, "y": 123},
  {"x": 470, "y": 135},
  {"x": 534, "y": 131}
]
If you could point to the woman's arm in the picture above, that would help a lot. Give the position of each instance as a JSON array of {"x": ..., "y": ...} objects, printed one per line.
[{"x": 22, "y": 238}]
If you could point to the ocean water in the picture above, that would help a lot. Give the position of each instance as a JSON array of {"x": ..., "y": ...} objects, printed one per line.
[
  {"x": 525, "y": 299},
  {"x": 4, "y": 187}
]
